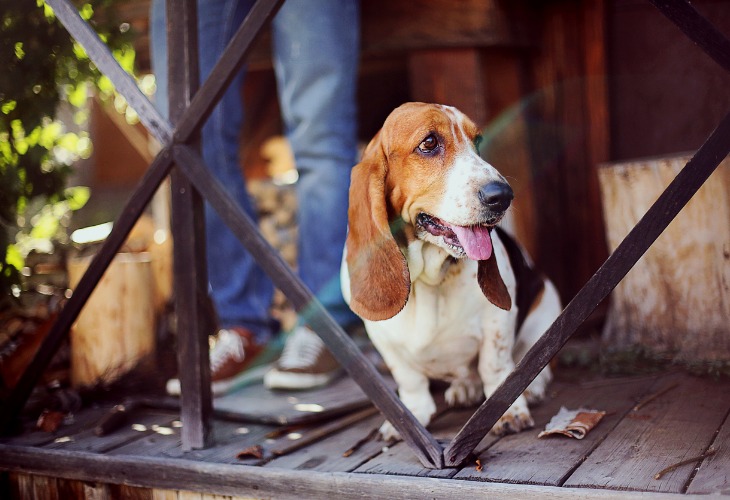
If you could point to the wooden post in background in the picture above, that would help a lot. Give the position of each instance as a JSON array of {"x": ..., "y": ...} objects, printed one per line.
[
  {"x": 676, "y": 300},
  {"x": 190, "y": 267},
  {"x": 116, "y": 327}
]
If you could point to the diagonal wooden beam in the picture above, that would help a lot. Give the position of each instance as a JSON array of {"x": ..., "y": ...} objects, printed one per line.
[
  {"x": 620, "y": 262},
  {"x": 230, "y": 62},
  {"x": 134, "y": 208},
  {"x": 340, "y": 344},
  {"x": 123, "y": 82},
  {"x": 697, "y": 28}
]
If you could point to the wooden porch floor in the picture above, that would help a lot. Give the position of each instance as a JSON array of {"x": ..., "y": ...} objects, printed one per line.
[{"x": 652, "y": 422}]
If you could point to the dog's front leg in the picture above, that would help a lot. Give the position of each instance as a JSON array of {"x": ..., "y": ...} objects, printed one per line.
[
  {"x": 495, "y": 363},
  {"x": 413, "y": 390}
]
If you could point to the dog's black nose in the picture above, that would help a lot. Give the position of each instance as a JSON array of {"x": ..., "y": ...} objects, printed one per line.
[{"x": 496, "y": 196}]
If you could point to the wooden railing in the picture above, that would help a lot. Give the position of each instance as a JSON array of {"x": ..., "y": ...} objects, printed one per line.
[{"x": 191, "y": 183}]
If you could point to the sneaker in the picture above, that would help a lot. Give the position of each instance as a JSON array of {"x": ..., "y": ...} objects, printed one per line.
[
  {"x": 232, "y": 354},
  {"x": 305, "y": 363}
]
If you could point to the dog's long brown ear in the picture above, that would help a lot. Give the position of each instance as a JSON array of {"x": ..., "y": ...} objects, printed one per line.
[
  {"x": 379, "y": 278},
  {"x": 490, "y": 281}
]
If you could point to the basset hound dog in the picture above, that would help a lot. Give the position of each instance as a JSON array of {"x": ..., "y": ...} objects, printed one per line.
[{"x": 444, "y": 293}]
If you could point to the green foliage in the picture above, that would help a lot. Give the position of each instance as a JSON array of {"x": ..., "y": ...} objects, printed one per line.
[{"x": 43, "y": 66}]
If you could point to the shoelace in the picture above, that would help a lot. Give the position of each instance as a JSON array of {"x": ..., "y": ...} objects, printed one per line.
[
  {"x": 301, "y": 349},
  {"x": 229, "y": 344}
]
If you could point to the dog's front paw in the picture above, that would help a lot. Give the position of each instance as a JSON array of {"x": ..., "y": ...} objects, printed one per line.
[
  {"x": 388, "y": 433},
  {"x": 423, "y": 409},
  {"x": 514, "y": 420},
  {"x": 464, "y": 392},
  {"x": 535, "y": 392}
]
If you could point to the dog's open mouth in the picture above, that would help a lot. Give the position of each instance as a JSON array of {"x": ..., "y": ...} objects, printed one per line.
[{"x": 474, "y": 242}]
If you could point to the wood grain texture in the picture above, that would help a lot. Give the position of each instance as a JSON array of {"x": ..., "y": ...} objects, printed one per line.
[
  {"x": 257, "y": 482},
  {"x": 188, "y": 222},
  {"x": 525, "y": 459},
  {"x": 677, "y": 425},
  {"x": 326, "y": 455},
  {"x": 713, "y": 476},
  {"x": 676, "y": 300}
]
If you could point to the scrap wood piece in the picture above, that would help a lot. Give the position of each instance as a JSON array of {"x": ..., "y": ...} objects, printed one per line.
[
  {"x": 708, "y": 453},
  {"x": 369, "y": 437},
  {"x": 50, "y": 421},
  {"x": 652, "y": 397},
  {"x": 573, "y": 423},
  {"x": 255, "y": 451}
]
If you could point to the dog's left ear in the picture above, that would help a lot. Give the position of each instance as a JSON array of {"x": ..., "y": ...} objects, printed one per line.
[
  {"x": 491, "y": 283},
  {"x": 379, "y": 278}
]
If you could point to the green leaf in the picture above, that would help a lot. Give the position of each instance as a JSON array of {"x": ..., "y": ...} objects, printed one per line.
[
  {"x": 19, "y": 52},
  {"x": 78, "y": 95},
  {"x": 77, "y": 197},
  {"x": 45, "y": 225},
  {"x": 8, "y": 106},
  {"x": 14, "y": 258}
]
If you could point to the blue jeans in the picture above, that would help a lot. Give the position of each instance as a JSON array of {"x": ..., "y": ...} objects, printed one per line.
[{"x": 316, "y": 52}]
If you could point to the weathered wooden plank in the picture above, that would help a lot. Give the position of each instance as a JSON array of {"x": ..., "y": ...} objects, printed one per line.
[
  {"x": 525, "y": 459},
  {"x": 258, "y": 404},
  {"x": 242, "y": 481},
  {"x": 327, "y": 455},
  {"x": 160, "y": 494},
  {"x": 678, "y": 424},
  {"x": 228, "y": 440},
  {"x": 190, "y": 268},
  {"x": 713, "y": 477},
  {"x": 126, "y": 492},
  {"x": 398, "y": 459},
  {"x": 78, "y": 421},
  {"x": 139, "y": 426},
  {"x": 45, "y": 487}
]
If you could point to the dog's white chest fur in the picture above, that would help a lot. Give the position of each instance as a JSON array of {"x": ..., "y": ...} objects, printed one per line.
[{"x": 447, "y": 318}]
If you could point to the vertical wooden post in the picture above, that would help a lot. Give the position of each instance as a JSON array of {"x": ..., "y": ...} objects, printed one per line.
[{"x": 189, "y": 237}]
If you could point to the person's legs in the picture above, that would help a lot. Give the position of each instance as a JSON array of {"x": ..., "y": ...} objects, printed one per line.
[
  {"x": 316, "y": 53},
  {"x": 241, "y": 291}
]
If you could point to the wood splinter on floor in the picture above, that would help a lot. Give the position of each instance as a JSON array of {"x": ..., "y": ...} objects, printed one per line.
[{"x": 692, "y": 460}]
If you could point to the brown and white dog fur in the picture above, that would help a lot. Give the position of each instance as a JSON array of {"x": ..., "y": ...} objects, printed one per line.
[{"x": 432, "y": 279}]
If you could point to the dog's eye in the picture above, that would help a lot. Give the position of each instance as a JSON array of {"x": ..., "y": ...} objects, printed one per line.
[
  {"x": 429, "y": 144},
  {"x": 478, "y": 142}
]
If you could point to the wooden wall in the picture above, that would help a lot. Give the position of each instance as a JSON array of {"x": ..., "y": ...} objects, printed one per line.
[{"x": 560, "y": 87}]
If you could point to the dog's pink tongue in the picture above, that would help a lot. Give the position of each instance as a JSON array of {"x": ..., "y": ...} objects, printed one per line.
[{"x": 475, "y": 240}]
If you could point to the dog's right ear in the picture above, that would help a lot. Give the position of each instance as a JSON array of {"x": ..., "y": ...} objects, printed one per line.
[{"x": 379, "y": 278}]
